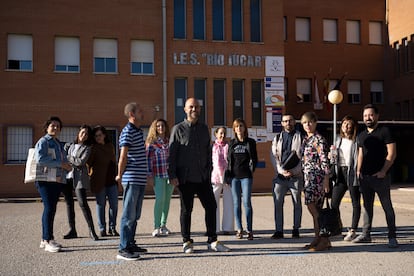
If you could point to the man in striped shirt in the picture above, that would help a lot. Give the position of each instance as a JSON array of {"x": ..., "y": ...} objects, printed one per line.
[{"x": 132, "y": 174}]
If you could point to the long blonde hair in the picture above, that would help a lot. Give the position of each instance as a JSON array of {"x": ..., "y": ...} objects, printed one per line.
[{"x": 152, "y": 132}]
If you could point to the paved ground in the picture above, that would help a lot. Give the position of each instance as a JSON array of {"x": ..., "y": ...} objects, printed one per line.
[{"x": 20, "y": 253}]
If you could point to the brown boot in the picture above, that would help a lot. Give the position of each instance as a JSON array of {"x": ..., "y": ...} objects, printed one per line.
[
  {"x": 313, "y": 244},
  {"x": 324, "y": 244}
]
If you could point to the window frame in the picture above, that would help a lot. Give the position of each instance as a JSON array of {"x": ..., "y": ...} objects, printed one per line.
[
  {"x": 302, "y": 35},
  {"x": 20, "y": 149},
  {"x": 67, "y": 68},
  {"x": 19, "y": 58}
]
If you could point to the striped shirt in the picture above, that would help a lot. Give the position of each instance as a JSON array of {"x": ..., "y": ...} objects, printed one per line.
[
  {"x": 136, "y": 167},
  {"x": 157, "y": 156}
]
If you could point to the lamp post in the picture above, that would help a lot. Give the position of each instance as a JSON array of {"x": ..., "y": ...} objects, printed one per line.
[{"x": 335, "y": 97}]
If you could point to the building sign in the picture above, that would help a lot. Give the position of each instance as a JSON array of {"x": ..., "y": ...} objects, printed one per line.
[
  {"x": 275, "y": 66},
  {"x": 216, "y": 59}
]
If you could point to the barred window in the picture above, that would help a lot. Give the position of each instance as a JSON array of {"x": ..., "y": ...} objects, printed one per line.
[
  {"x": 68, "y": 134},
  {"x": 19, "y": 140}
]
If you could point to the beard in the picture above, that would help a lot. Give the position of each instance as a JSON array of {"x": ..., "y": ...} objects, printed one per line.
[{"x": 370, "y": 123}]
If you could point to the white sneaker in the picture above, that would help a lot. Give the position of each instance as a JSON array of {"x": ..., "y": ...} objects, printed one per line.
[
  {"x": 351, "y": 235},
  {"x": 188, "y": 247},
  {"x": 218, "y": 247},
  {"x": 51, "y": 247},
  {"x": 156, "y": 232},
  {"x": 43, "y": 244},
  {"x": 165, "y": 231}
]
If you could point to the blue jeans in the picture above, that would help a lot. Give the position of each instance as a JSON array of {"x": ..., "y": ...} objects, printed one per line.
[
  {"x": 131, "y": 212},
  {"x": 280, "y": 188},
  {"x": 369, "y": 185},
  {"x": 110, "y": 192},
  {"x": 239, "y": 186},
  {"x": 49, "y": 192}
]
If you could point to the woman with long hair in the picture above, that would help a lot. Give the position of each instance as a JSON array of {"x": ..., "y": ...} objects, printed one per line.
[
  {"x": 345, "y": 168},
  {"x": 102, "y": 172},
  {"x": 242, "y": 161},
  {"x": 78, "y": 154},
  {"x": 157, "y": 150}
]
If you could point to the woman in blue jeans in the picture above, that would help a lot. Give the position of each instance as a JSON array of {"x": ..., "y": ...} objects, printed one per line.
[
  {"x": 102, "y": 171},
  {"x": 50, "y": 155},
  {"x": 242, "y": 160}
]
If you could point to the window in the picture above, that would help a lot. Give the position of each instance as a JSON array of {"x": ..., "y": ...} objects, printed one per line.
[
  {"x": 200, "y": 95},
  {"x": 19, "y": 140},
  {"x": 353, "y": 32},
  {"x": 218, "y": 19},
  {"x": 68, "y": 134},
  {"x": 179, "y": 19},
  {"x": 284, "y": 28},
  {"x": 376, "y": 92},
  {"x": 375, "y": 33},
  {"x": 19, "y": 52},
  {"x": 302, "y": 29},
  {"x": 354, "y": 91},
  {"x": 180, "y": 96},
  {"x": 238, "y": 99},
  {"x": 330, "y": 30},
  {"x": 257, "y": 115},
  {"x": 236, "y": 20},
  {"x": 303, "y": 90},
  {"x": 255, "y": 21},
  {"x": 219, "y": 102},
  {"x": 105, "y": 53},
  {"x": 198, "y": 19},
  {"x": 142, "y": 57},
  {"x": 67, "y": 54}
]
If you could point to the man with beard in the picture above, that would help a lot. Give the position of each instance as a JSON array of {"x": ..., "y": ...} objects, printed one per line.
[{"x": 376, "y": 154}]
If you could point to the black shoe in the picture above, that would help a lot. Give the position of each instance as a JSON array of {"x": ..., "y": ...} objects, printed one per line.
[
  {"x": 112, "y": 232},
  {"x": 277, "y": 235},
  {"x": 70, "y": 235},
  {"x": 93, "y": 235},
  {"x": 136, "y": 249},
  {"x": 103, "y": 233},
  {"x": 295, "y": 233},
  {"x": 127, "y": 255}
]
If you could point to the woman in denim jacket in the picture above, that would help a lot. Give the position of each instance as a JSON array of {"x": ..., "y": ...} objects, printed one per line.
[{"x": 49, "y": 154}]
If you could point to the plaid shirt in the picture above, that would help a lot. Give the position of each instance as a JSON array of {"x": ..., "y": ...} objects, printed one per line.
[{"x": 157, "y": 156}]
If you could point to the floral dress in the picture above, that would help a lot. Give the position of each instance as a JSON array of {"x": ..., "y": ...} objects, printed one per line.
[{"x": 315, "y": 164}]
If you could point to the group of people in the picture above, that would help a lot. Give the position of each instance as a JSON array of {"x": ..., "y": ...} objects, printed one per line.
[
  {"x": 356, "y": 162},
  {"x": 86, "y": 164},
  {"x": 187, "y": 160}
]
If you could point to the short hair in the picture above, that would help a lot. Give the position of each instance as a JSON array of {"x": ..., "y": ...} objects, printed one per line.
[
  {"x": 309, "y": 116},
  {"x": 240, "y": 121},
  {"x": 49, "y": 121},
  {"x": 130, "y": 107},
  {"x": 371, "y": 106}
]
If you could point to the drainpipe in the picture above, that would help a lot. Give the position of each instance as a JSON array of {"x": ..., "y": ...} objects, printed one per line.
[{"x": 164, "y": 59}]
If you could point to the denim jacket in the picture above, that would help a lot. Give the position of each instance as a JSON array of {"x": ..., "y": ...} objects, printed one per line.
[{"x": 44, "y": 159}]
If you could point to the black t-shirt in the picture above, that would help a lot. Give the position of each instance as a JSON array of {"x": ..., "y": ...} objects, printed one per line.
[
  {"x": 374, "y": 147},
  {"x": 241, "y": 161}
]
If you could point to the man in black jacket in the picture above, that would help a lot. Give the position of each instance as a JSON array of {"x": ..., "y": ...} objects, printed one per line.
[{"x": 189, "y": 170}]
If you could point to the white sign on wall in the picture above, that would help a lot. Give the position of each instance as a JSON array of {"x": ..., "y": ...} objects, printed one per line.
[{"x": 275, "y": 66}]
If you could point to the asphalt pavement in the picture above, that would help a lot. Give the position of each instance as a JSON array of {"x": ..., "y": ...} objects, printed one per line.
[{"x": 20, "y": 233}]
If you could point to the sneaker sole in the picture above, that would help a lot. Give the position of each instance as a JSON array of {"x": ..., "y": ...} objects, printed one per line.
[
  {"x": 53, "y": 250},
  {"x": 120, "y": 257}
]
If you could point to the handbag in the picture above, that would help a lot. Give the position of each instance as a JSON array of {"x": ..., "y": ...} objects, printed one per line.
[
  {"x": 35, "y": 172},
  {"x": 329, "y": 221},
  {"x": 291, "y": 161}
]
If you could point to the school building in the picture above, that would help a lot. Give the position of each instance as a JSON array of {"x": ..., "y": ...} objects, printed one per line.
[{"x": 255, "y": 59}]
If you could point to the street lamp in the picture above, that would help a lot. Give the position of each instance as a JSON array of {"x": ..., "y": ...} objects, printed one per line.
[{"x": 335, "y": 97}]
